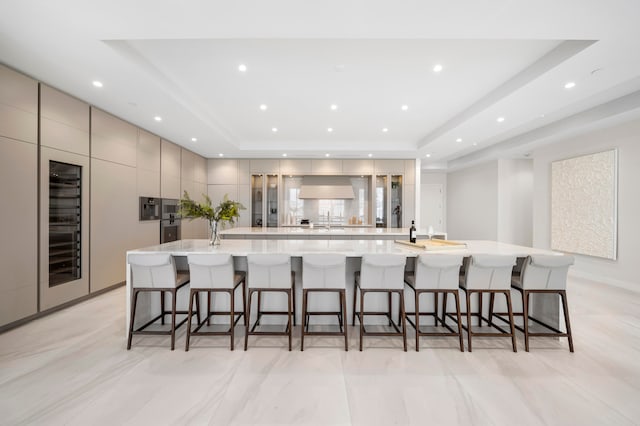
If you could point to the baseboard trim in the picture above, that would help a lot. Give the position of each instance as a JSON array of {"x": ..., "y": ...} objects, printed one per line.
[
  {"x": 627, "y": 285},
  {"x": 65, "y": 305}
]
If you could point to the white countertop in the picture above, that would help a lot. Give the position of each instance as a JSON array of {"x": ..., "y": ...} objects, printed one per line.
[
  {"x": 351, "y": 248},
  {"x": 319, "y": 230}
]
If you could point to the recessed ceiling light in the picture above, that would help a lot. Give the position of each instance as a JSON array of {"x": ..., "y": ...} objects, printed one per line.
[
  {"x": 459, "y": 140},
  {"x": 475, "y": 144},
  {"x": 404, "y": 107},
  {"x": 221, "y": 155},
  {"x": 570, "y": 85},
  {"x": 263, "y": 107},
  {"x": 194, "y": 139},
  {"x": 437, "y": 68},
  {"x": 284, "y": 155},
  {"x": 428, "y": 155},
  {"x": 500, "y": 119},
  {"x": 97, "y": 83},
  {"x": 329, "y": 129},
  {"x": 327, "y": 154},
  {"x": 157, "y": 118},
  {"x": 385, "y": 130},
  {"x": 274, "y": 129},
  {"x": 370, "y": 155},
  {"x": 242, "y": 68},
  {"x": 333, "y": 107}
]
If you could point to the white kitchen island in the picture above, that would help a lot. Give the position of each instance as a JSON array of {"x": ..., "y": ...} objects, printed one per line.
[
  {"x": 306, "y": 232},
  {"x": 548, "y": 308}
]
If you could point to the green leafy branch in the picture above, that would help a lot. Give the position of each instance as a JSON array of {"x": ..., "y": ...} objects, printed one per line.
[{"x": 227, "y": 211}]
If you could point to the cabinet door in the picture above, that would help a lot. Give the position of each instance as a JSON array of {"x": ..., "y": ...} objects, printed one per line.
[{"x": 64, "y": 224}]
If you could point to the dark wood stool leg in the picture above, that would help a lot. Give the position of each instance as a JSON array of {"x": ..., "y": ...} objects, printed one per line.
[
  {"x": 248, "y": 323},
  {"x": 511, "y": 323},
  {"x": 293, "y": 297},
  {"x": 480, "y": 308},
  {"x": 209, "y": 308},
  {"x": 343, "y": 304},
  {"x": 304, "y": 318},
  {"x": 444, "y": 308},
  {"x": 390, "y": 297},
  {"x": 491, "y": 300},
  {"x": 360, "y": 317},
  {"x": 232, "y": 317},
  {"x": 289, "y": 326},
  {"x": 435, "y": 308},
  {"x": 132, "y": 317},
  {"x": 404, "y": 319},
  {"x": 244, "y": 302},
  {"x": 565, "y": 308},
  {"x": 192, "y": 293},
  {"x": 197, "y": 307},
  {"x": 355, "y": 295},
  {"x": 417, "y": 317},
  {"x": 174, "y": 293},
  {"x": 468, "y": 295},
  {"x": 525, "y": 318},
  {"x": 457, "y": 297},
  {"x": 162, "y": 307}
]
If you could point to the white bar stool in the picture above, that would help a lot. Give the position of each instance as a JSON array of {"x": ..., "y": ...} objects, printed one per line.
[
  {"x": 155, "y": 273},
  {"x": 214, "y": 273},
  {"x": 487, "y": 273},
  {"x": 544, "y": 274},
  {"x": 381, "y": 273},
  {"x": 324, "y": 273},
  {"x": 269, "y": 273},
  {"x": 436, "y": 274}
]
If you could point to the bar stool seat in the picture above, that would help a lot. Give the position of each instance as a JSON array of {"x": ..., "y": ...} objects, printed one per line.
[
  {"x": 543, "y": 274},
  {"x": 436, "y": 274},
  {"x": 488, "y": 273},
  {"x": 155, "y": 273},
  {"x": 324, "y": 273},
  {"x": 214, "y": 273},
  {"x": 269, "y": 273},
  {"x": 381, "y": 273}
]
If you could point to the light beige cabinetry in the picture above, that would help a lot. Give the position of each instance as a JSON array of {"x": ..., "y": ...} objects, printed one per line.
[
  {"x": 113, "y": 139},
  {"x": 148, "y": 164},
  {"x": 194, "y": 181},
  {"x": 170, "y": 163},
  {"x": 18, "y": 106},
  {"x": 64, "y": 121}
]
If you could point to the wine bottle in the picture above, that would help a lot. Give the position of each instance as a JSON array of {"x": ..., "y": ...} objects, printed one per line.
[{"x": 412, "y": 232}]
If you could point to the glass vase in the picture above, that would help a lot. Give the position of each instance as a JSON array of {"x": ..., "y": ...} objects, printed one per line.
[{"x": 214, "y": 237}]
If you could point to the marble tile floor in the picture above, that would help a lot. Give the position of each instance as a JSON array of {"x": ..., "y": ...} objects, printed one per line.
[{"x": 72, "y": 368}]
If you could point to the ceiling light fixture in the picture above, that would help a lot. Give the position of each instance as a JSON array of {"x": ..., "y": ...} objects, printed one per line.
[
  {"x": 97, "y": 83},
  {"x": 459, "y": 140},
  {"x": 475, "y": 144},
  {"x": 157, "y": 118},
  {"x": 194, "y": 139},
  {"x": 334, "y": 107},
  {"x": 330, "y": 129},
  {"x": 221, "y": 155},
  {"x": 284, "y": 155},
  {"x": 242, "y": 68},
  {"x": 274, "y": 129},
  {"x": 570, "y": 85},
  {"x": 327, "y": 154},
  {"x": 500, "y": 119},
  {"x": 263, "y": 107},
  {"x": 404, "y": 107},
  {"x": 385, "y": 130},
  {"x": 428, "y": 155},
  {"x": 370, "y": 155},
  {"x": 437, "y": 68}
]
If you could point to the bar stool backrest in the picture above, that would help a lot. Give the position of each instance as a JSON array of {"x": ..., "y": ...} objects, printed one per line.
[
  {"x": 489, "y": 272},
  {"x": 545, "y": 272},
  {"x": 382, "y": 271},
  {"x": 437, "y": 271},
  {"x": 211, "y": 270},
  {"x": 269, "y": 270},
  {"x": 152, "y": 271},
  {"x": 324, "y": 270}
]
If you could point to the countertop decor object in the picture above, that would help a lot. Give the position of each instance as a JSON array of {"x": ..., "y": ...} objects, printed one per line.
[
  {"x": 435, "y": 244},
  {"x": 226, "y": 212}
]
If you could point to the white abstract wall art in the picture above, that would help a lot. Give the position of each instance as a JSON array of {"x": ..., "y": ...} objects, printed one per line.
[{"x": 584, "y": 204}]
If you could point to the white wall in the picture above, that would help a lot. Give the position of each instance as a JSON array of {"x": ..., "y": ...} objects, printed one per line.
[
  {"x": 515, "y": 198},
  {"x": 432, "y": 178},
  {"x": 472, "y": 203},
  {"x": 625, "y": 137}
]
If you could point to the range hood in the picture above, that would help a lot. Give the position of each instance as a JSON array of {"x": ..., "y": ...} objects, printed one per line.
[{"x": 326, "y": 188}]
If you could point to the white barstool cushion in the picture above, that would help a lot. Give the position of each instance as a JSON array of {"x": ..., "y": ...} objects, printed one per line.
[
  {"x": 213, "y": 271},
  {"x": 324, "y": 271},
  {"x": 435, "y": 272},
  {"x": 382, "y": 271},
  {"x": 157, "y": 270},
  {"x": 488, "y": 272},
  {"x": 544, "y": 272},
  {"x": 269, "y": 271}
]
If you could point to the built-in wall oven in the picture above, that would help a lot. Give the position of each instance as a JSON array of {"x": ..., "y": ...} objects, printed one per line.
[{"x": 170, "y": 221}]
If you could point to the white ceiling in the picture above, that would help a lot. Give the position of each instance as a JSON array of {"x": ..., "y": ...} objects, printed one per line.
[{"x": 179, "y": 60}]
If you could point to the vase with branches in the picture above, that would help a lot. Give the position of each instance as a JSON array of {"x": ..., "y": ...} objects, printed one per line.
[{"x": 225, "y": 212}]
